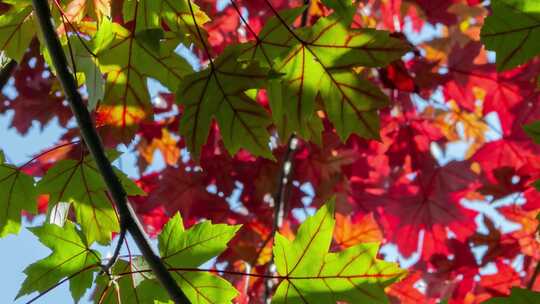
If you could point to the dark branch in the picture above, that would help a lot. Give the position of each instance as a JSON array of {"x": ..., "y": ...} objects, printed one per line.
[
  {"x": 6, "y": 72},
  {"x": 534, "y": 276},
  {"x": 94, "y": 145},
  {"x": 107, "y": 267}
]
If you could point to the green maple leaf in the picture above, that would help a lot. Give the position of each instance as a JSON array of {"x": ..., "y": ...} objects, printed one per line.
[
  {"x": 517, "y": 296},
  {"x": 17, "y": 193},
  {"x": 71, "y": 256},
  {"x": 320, "y": 64},
  {"x": 310, "y": 274},
  {"x": 512, "y": 31},
  {"x": 175, "y": 14},
  {"x": 191, "y": 248},
  {"x": 219, "y": 92},
  {"x": 182, "y": 251},
  {"x": 80, "y": 183},
  {"x": 17, "y": 29},
  {"x": 129, "y": 60}
]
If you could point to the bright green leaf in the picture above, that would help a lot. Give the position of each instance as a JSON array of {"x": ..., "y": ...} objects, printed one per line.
[
  {"x": 512, "y": 31},
  {"x": 218, "y": 92},
  {"x": 16, "y": 31},
  {"x": 321, "y": 63},
  {"x": 195, "y": 246},
  {"x": 310, "y": 274},
  {"x": 70, "y": 257},
  {"x": 80, "y": 183},
  {"x": 184, "y": 249},
  {"x": 517, "y": 296},
  {"x": 17, "y": 193}
]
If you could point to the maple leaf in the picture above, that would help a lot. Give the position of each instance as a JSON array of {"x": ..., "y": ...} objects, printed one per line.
[
  {"x": 17, "y": 193},
  {"x": 511, "y": 31},
  {"x": 128, "y": 60},
  {"x": 183, "y": 251},
  {"x": 80, "y": 183},
  {"x": 17, "y": 29},
  {"x": 218, "y": 91},
  {"x": 431, "y": 204},
  {"x": 310, "y": 274},
  {"x": 320, "y": 61},
  {"x": 38, "y": 99},
  {"x": 71, "y": 256}
]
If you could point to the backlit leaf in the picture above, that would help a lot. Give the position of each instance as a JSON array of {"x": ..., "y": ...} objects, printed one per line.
[
  {"x": 512, "y": 31},
  {"x": 79, "y": 182},
  {"x": 70, "y": 256},
  {"x": 320, "y": 62},
  {"x": 218, "y": 92},
  {"x": 311, "y": 274}
]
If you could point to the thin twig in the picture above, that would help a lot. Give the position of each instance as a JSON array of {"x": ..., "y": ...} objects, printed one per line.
[
  {"x": 280, "y": 200},
  {"x": 93, "y": 142},
  {"x": 107, "y": 267}
]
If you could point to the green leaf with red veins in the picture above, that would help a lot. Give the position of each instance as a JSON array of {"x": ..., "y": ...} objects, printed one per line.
[
  {"x": 320, "y": 64},
  {"x": 218, "y": 92},
  {"x": 311, "y": 274},
  {"x": 71, "y": 256}
]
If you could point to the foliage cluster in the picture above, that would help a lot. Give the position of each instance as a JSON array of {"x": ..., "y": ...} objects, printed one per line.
[{"x": 309, "y": 148}]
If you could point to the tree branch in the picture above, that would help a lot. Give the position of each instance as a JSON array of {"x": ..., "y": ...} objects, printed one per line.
[
  {"x": 530, "y": 285},
  {"x": 107, "y": 267},
  {"x": 93, "y": 142},
  {"x": 280, "y": 197},
  {"x": 6, "y": 72}
]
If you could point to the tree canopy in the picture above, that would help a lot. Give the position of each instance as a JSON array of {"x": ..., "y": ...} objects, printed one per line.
[{"x": 366, "y": 151}]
